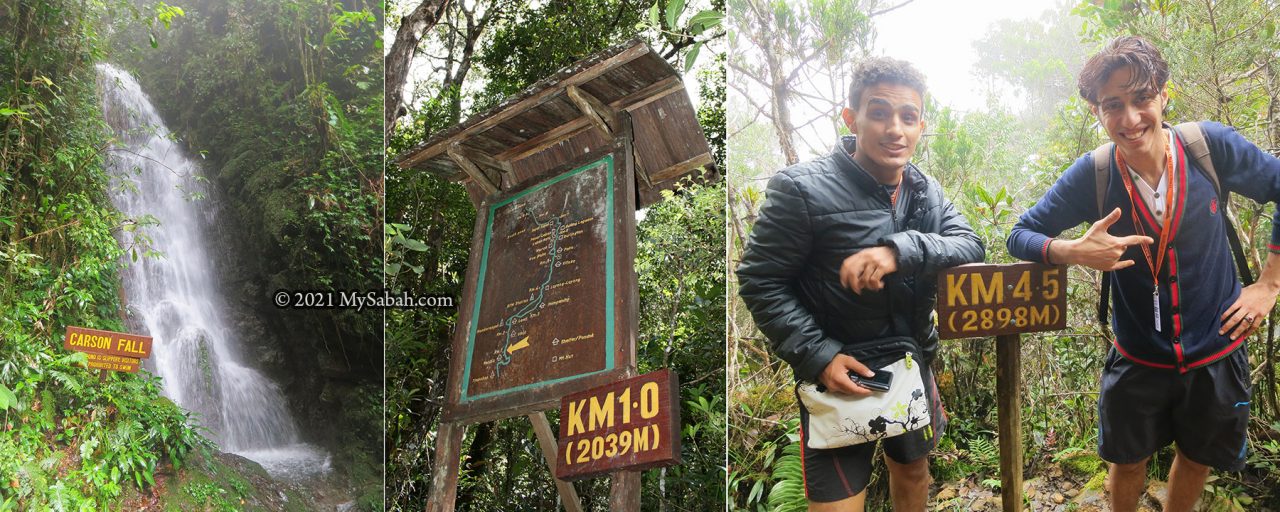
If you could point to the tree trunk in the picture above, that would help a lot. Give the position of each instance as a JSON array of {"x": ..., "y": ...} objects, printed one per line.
[
  {"x": 397, "y": 62},
  {"x": 475, "y": 467}
]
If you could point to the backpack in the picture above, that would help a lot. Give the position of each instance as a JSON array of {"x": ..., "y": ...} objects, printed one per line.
[{"x": 1193, "y": 141}]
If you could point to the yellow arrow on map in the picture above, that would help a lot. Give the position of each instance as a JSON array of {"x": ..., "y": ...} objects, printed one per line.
[{"x": 523, "y": 343}]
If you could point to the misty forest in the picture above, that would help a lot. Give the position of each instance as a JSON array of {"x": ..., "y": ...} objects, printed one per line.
[
  {"x": 165, "y": 168},
  {"x": 475, "y": 54},
  {"x": 993, "y": 163}
]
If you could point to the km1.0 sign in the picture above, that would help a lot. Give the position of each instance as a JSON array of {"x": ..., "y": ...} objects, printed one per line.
[
  {"x": 629, "y": 424},
  {"x": 987, "y": 300}
]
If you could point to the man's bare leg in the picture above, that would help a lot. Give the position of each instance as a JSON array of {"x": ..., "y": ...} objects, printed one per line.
[
  {"x": 1186, "y": 483},
  {"x": 1125, "y": 483},
  {"x": 853, "y": 503},
  {"x": 909, "y": 484}
]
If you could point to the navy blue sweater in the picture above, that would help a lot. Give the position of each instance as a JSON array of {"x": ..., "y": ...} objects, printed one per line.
[{"x": 1198, "y": 280}]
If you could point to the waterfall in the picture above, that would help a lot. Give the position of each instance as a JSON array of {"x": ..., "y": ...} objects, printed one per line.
[{"x": 174, "y": 297}]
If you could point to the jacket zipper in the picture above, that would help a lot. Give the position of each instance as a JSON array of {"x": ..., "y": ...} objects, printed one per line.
[{"x": 893, "y": 222}]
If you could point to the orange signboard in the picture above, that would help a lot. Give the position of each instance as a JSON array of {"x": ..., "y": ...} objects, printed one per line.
[{"x": 108, "y": 350}]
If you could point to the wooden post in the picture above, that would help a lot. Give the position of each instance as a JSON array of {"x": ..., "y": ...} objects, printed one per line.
[
  {"x": 624, "y": 491},
  {"x": 1009, "y": 414},
  {"x": 444, "y": 480},
  {"x": 547, "y": 441}
]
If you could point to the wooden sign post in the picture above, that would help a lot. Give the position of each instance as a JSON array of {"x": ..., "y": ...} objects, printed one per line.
[
  {"x": 1004, "y": 301},
  {"x": 107, "y": 350},
  {"x": 549, "y": 305},
  {"x": 630, "y": 424}
]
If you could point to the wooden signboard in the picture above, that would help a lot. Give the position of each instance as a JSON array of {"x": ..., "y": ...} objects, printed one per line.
[
  {"x": 108, "y": 350},
  {"x": 550, "y": 304},
  {"x": 545, "y": 310},
  {"x": 981, "y": 300},
  {"x": 988, "y": 300},
  {"x": 631, "y": 424}
]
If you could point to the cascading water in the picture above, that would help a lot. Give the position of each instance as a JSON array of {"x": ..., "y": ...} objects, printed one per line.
[{"x": 174, "y": 297}]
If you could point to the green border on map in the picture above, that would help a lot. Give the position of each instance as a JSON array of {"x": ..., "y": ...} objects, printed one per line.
[{"x": 608, "y": 276}]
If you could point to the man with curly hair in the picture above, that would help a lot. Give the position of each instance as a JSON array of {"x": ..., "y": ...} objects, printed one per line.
[
  {"x": 1177, "y": 371},
  {"x": 841, "y": 268}
]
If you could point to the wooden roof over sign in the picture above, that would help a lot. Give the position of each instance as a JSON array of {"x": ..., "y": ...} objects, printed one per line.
[{"x": 570, "y": 113}]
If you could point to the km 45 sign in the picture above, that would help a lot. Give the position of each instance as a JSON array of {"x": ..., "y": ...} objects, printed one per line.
[{"x": 988, "y": 300}]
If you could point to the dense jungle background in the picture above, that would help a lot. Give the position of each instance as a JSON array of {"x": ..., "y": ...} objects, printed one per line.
[
  {"x": 480, "y": 52},
  {"x": 279, "y": 103},
  {"x": 993, "y": 163}
]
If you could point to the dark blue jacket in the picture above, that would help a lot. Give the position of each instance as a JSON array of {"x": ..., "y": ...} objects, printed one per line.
[{"x": 1198, "y": 280}]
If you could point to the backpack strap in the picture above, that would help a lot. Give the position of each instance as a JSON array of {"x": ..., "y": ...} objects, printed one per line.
[
  {"x": 1101, "y": 179},
  {"x": 1194, "y": 142},
  {"x": 1102, "y": 174}
]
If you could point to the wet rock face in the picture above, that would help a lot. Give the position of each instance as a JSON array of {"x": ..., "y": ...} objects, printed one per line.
[{"x": 318, "y": 368}]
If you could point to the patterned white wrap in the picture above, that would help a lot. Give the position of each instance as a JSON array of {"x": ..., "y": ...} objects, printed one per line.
[{"x": 837, "y": 419}]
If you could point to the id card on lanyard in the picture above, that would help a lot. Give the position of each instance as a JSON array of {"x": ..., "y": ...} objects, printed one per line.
[{"x": 1165, "y": 235}]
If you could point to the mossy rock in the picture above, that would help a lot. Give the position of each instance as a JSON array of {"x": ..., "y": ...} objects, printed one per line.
[
  {"x": 1083, "y": 463},
  {"x": 1097, "y": 483},
  {"x": 221, "y": 482}
]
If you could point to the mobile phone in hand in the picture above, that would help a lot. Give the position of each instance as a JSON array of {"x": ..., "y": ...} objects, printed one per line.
[{"x": 879, "y": 382}]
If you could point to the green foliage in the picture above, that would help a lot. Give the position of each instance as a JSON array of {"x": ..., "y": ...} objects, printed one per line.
[
  {"x": 994, "y": 164},
  {"x": 787, "y": 494},
  {"x": 679, "y": 260},
  {"x": 518, "y": 54},
  {"x": 67, "y": 442}
]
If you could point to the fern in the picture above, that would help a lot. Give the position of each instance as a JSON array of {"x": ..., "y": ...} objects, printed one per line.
[
  {"x": 71, "y": 382},
  {"x": 984, "y": 453},
  {"x": 787, "y": 495}
]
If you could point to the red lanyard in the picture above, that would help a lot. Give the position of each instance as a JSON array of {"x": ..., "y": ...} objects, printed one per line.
[{"x": 1166, "y": 234}]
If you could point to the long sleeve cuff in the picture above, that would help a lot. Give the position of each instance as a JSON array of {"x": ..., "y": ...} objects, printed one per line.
[
  {"x": 817, "y": 360},
  {"x": 1028, "y": 245},
  {"x": 1274, "y": 245}
]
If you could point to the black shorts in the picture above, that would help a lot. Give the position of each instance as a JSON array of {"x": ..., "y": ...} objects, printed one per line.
[
  {"x": 838, "y": 473},
  {"x": 1205, "y": 411}
]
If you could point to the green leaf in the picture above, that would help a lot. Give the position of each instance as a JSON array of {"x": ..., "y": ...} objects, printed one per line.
[
  {"x": 7, "y": 398},
  {"x": 706, "y": 19},
  {"x": 653, "y": 14},
  {"x": 154, "y": 43},
  {"x": 674, "y": 9},
  {"x": 692, "y": 56},
  {"x": 393, "y": 268},
  {"x": 414, "y": 245}
]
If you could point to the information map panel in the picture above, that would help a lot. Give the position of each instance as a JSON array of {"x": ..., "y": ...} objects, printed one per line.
[{"x": 543, "y": 309}]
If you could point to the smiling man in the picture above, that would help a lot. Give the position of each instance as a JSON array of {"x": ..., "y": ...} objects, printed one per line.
[
  {"x": 841, "y": 268},
  {"x": 1177, "y": 371}
]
